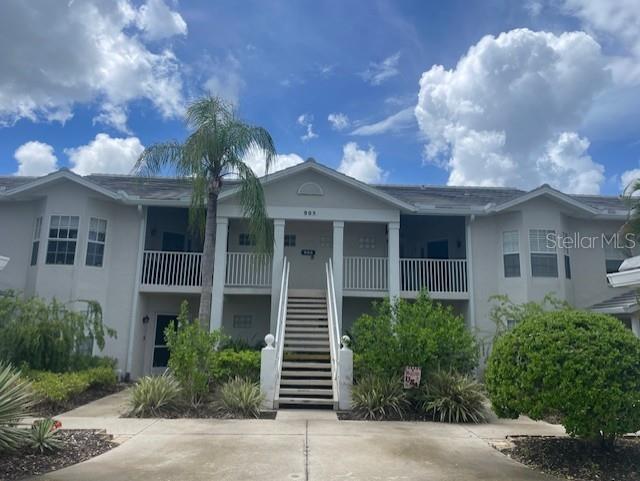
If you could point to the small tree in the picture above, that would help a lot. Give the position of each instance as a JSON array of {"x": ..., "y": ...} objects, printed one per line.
[
  {"x": 192, "y": 350},
  {"x": 423, "y": 333},
  {"x": 581, "y": 365}
]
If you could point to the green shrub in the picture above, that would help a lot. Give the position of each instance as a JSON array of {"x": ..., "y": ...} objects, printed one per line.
[
  {"x": 453, "y": 398},
  {"x": 153, "y": 394},
  {"x": 379, "y": 398},
  {"x": 423, "y": 333},
  {"x": 48, "y": 335},
  {"x": 582, "y": 366},
  {"x": 16, "y": 400},
  {"x": 240, "y": 398},
  {"x": 43, "y": 436},
  {"x": 228, "y": 364},
  {"x": 104, "y": 377},
  {"x": 60, "y": 387},
  {"x": 191, "y": 354}
]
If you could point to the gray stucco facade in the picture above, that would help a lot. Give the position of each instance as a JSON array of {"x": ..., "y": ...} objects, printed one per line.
[{"x": 383, "y": 240}]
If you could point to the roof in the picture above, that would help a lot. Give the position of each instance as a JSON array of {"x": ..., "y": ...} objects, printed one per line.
[
  {"x": 416, "y": 198},
  {"x": 626, "y": 303}
]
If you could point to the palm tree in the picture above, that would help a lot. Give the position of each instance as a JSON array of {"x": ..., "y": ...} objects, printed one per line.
[
  {"x": 631, "y": 197},
  {"x": 215, "y": 149}
]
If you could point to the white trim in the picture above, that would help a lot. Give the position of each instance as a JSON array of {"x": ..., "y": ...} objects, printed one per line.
[
  {"x": 630, "y": 278},
  {"x": 61, "y": 174},
  {"x": 470, "y": 280},
  {"x": 136, "y": 293},
  {"x": 544, "y": 190}
]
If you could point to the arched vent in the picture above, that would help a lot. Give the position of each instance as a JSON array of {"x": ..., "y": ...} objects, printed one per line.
[{"x": 310, "y": 188}]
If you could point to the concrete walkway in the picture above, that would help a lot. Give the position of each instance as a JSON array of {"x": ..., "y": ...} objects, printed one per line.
[{"x": 298, "y": 445}]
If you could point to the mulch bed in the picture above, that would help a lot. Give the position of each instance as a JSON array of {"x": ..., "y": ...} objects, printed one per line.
[
  {"x": 80, "y": 445},
  {"x": 576, "y": 459},
  {"x": 51, "y": 409},
  {"x": 204, "y": 411}
]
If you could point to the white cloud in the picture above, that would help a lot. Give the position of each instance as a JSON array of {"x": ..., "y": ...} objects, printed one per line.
[
  {"x": 338, "y": 121},
  {"x": 158, "y": 21},
  {"x": 306, "y": 120},
  {"x": 256, "y": 160},
  {"x": 379, "y": 72},
  {"x": 226, "y": 81},
  {"x": 508, "y": 112},
  {"x": 35, "y": 159},
  {"x": 105, "y": 155},
  {"x": 628, "y": 177},
  {"x": 617, "y": 21},
  {"x": 361, "y": 164},
  {"x": 394, "y": 123},
  {"x": 64, "y": 53}
]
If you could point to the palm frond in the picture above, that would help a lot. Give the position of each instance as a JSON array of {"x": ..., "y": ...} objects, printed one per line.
[
  {"x": 631, "y": 198},
  {"x": 155, "y": 158},
  {"x": 209, "y": 111},
  {"x": 245, "y": 138}
]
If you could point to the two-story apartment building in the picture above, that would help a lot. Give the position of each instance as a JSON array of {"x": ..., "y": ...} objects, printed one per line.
[{"x": 125, "y": 242}]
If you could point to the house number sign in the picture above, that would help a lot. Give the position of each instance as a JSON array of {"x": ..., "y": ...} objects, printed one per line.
[
  {"x": 411, "y": 378},
  {"x": 308, "y": 252},
  {"x": 310, "y": 213}
]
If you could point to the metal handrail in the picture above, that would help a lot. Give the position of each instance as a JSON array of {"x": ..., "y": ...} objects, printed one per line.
[
  {"x": 334, "y": 329},
  {"x": 282, "y": 321}
]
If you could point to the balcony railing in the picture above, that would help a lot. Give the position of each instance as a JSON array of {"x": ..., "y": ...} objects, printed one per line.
[
  {"x": 434, "y": 275},
  {"x": 366, "y": 273},
  {"x": 183, "y": 269},
  {"x": 248, "y": 269}
]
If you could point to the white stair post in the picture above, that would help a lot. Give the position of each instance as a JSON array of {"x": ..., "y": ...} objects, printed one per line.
[
  {"x": 268, "y": 372},
  {"x": 276, "y": 270},
  {"x": 345, "y": 376}
]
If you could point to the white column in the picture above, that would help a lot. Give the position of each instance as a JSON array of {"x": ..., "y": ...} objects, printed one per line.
[
  {"x": 276, "y": 270},
  {"x": 468, "y": 241},
  {"x": 345, "y": 378},
  {"x": 219, "y": 273},
  {"x": 338, "y": 261},
  {"x": 635, "y": 324},
  {"x": 135, "y": 321},
  {"x": 393, "y": 233},
  {"x": 268, "y": 372}
]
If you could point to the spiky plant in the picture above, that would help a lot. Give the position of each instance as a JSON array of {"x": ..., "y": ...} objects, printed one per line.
[
  {"x": 240, "y": 398},
  {"x": 379, "y": 398},
  {"x": 44, "y": 437},
  {"x": 453, "y": 398},
  {"x": 16, "y": 400},
  {"x": 152, "y": 394},
  {"x": 215, "y": 149}
]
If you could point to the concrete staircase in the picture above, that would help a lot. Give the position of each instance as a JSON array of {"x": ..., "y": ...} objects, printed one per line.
[{"x": 306, "y": 368}]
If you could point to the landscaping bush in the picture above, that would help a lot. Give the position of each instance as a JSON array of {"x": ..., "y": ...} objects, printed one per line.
[
  {"x": 192, "y": 349},
  {"x": 43, "y": 436},
  {"x": 378, "y": 398},
  {"x": 423, "y": 333},
  {"x": 240, "y": 398},
  {"x": 228, "y": 364},
  {"x": 60, "y": 387},
  {"x": 16, "y": 400},
  {"x": 153, "y": 394},
  {"x": 48, "y": 335},
  {"x": 453, "y": 398},
  {"x": 581, "y": 365}
]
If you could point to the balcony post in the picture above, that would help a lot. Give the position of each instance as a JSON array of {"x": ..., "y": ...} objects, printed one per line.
[
  {"x": 276, "y": 270},
  {"x": 219, "y": 273},
  {"x": 469, "y": 255},
  {"x": 393, "y": 229},
  {"x": 338, "y": 269}
]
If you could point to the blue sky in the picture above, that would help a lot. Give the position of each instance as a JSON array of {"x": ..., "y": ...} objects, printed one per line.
[{"x": 520, "y": 108}]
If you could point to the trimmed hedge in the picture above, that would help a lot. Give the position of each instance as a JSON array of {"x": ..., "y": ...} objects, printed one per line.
[
  {"x": 228, "y": 364},
  {"x": 581, "y": 365},
  {"x": 60, "y": 387}
]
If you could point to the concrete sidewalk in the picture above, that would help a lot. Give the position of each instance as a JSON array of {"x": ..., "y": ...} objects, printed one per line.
[{"x": 300, "y": 445}]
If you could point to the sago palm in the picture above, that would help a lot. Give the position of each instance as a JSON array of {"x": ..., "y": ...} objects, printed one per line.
[
  {"x": 215, "y": 149},
  {"x": 16, "y": 400}
]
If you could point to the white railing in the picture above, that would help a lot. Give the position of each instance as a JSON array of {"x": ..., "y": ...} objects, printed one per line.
[
  {"x": 281, "y": 323},
  {"x": 366, "y": 273},
  {"x": 434, "y": 275},
  {"x": 334, "y": 330},
  {"x": 248, "y": 269},
  {"x": 176, "y": 269}
]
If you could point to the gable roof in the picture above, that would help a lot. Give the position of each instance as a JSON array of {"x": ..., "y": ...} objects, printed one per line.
[
  {"x": 545, "y": 190},
  {"x": 625, "y": 303}
]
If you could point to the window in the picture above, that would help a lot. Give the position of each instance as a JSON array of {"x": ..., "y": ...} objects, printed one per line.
[
  {"x": 95, "y": 242},
  {"x": 567, "y": 266},
  {"x": 544, "y": 260},
  {"x": 511, "y": 323},
  {"x": 35, "y": 248},
  {"x": 245, "y": 239},
  {"x": 289, "y": 240},
  {"x": 511, "y": 253},
  {"x": 242, "y": 321},
  {"x": 63, "y": 235},
  {"x": 613, "y": 256},
  {"x": 367, "y": 242}
]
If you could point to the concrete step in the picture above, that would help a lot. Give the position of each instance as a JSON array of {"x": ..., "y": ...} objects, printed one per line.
[
  {"x": 306, "y": 342},
  {"x": 306, "y": 330},
  {"x": 306, "y": 365},
  {"x": 307, "y": 356},
  {"x": 306, "y": 382},
  {"x": 305, "y": 374},
  {"x": 296, "y": 315},
  {"x": 291, "y": 391},
  {"x": 309, "y": 401},
  {"x": 307, "y": 323},
  {"x": 306, "y": 335},
  {"x": 306, "y": 348}
]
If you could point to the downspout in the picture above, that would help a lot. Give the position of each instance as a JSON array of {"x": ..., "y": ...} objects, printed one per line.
[{"x": 142, "y": 212}]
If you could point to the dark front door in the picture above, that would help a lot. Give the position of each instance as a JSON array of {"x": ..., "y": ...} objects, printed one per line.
[
  {"x": 438, "y": 249},
  {"x": 160, "y": 349},
  {"x": 172, "y": 242}
]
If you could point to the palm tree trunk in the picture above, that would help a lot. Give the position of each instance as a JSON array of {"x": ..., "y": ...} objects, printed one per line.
[{"x": 208, "y": 254}]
